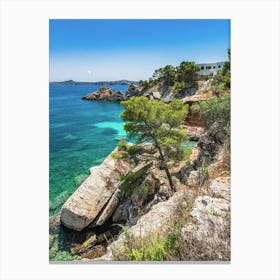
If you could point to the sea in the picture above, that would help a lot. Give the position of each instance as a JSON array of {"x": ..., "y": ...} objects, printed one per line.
[{"x": 82, "y": 134}]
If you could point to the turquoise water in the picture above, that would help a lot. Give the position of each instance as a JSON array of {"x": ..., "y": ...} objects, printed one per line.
[{"x": 82, "y": 134}]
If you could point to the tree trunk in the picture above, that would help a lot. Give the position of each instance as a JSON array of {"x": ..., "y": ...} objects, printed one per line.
[
  {"x": 165, "y": 168},
  {"x": 169, "y": 178}
]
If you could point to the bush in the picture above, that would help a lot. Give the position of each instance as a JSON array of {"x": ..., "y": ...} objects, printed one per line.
[
  {"x": 215, "y": 110},
  {"x": 63, "y": 256},
  {"x": 179, "y": 87},
  {"x": 158, "y": 248},
  {"x": 119, "y": 155},
  {"x": 122, "y": 145},
  {"x": 131, "y": 181},
  {"x": 133, "y": 150}
]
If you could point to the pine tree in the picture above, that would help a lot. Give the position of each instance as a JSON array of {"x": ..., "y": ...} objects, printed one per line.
[{"x": 158, "y": 123}]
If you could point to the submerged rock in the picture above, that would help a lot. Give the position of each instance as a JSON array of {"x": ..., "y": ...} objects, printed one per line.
[
  {"x": 104, "y": 94},
  {"x": 88, "y": 200}
]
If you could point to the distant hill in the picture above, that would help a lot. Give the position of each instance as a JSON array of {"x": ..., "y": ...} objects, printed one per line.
[{"x": 102, "y": 83}]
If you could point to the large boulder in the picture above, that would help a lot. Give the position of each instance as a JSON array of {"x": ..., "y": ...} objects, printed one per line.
[
  {"x": 156, "y": 222},
  {"x": 105, "y": 94},
  {"x": 110, "y": 208},
  {"x": 209, "y": 228},
  {"x": 89, "y": 199}
]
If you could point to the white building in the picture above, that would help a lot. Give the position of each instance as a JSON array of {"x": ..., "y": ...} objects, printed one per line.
[{"x": 210, "y": 69}]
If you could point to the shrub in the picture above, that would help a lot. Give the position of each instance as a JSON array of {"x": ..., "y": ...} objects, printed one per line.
[
  {"x": 133, "y": 150},
  {"x": 122, "y": 145},
  {"x": 119, "y": 155},
  {"x": 132, "y": 180},
  {"x": 63, "y": 256},
  {"x": 179, "y": 87},
  {"x": 215, "y": 110}
]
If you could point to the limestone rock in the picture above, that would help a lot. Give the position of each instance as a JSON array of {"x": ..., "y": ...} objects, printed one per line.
[
  {"x": 121, "y": 213},
  {"x": 209, "y": 229},
  {"x": 220, "y": 187},
  {"x": 194, "y": 155},
  {"x": 194, "y": 132},
  {"x": 133, "y": 91},
  {"x": 156, "y": 222},
  {"x": 193, "y": 179},
  {"x": 88, "y": 200},
  {"x": 104, "y": 94},
  {"x": 83, "y": 248},
  {"x": 110, "y": 208},
  {"x": 217, "y": 169}
]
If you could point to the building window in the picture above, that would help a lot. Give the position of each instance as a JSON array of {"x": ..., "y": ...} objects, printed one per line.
[
  {"x": 219, "y": 66},
  {"x": 208, "y": 67},
  {"x": 202, "y": 67},
  {"x": 214, "y": 67}
]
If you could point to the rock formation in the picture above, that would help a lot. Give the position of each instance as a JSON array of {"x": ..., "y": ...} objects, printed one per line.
[
  {"x": 165, "y": 92},
  {"x": 105, "y": 94},
  {"x": 86, "y": 202},
  {"x": 209, "y": 229}
]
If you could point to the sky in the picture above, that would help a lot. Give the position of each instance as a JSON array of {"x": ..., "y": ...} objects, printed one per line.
[{"x": 109, "y": 50}]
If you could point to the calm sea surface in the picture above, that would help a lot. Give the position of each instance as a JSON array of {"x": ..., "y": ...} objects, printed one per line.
[{"x": 82, "y": 134}]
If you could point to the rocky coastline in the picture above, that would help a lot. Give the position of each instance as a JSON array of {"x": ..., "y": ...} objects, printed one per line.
[
  {"x": 105, "y": 94},
  {"x": 99, "y": 220},
  {"x": 92, "y": 212}
]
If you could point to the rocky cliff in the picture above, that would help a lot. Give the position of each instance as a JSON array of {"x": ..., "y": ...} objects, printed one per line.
[
  {"x": 165, "y": 92},
  {"x": 105, "y": 94},
  {"x": 151, "y": 208}
]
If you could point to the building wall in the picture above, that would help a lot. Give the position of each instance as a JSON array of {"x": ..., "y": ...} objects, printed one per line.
[{"x": 210, "y": 69}]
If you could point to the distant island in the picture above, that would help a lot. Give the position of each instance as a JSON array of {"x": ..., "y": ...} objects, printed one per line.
[{"x": 101, "y": 83}]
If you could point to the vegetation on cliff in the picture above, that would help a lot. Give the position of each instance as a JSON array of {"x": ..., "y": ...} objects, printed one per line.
[
  {"x": 196, "y": 228},
  {"x": 221, "y": 81},
  {"x": 158, "y": 123},
  {"x": 178, "y": 78}
]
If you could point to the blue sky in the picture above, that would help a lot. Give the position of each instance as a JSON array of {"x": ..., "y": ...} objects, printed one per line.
[{"x": 100, "y": 50}]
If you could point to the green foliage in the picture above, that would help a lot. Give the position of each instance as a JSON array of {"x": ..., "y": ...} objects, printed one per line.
[
  {"x": 179, "y": 87},
  {"x": 187, "y": 72},
  {"x": 155, "y": 250},
  {"x": 122, "y": 145},
  {"x": 119, "y": 155},
  {"x": 159, "y": 123},
  {"x": 145, "y": 84},
  {"x": 215, "y": 110},
  {"x": 62, "y": 256},
  {"x": 131, "y": 181},
  {"x": 133, "y": 150},
  {"x": 158, "y": 247},
  {"x": 222, "y": 79},
  {"x": 166, "y": 73},
  {"x": 195, "y": 108},
  {"x": 179, "y": 77}
]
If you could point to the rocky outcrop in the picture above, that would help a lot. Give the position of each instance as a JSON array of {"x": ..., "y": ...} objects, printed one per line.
[
  {"x": 110, "y": 208},
  {"x": 105, "y": 94},
  {"x": 156, "y": 222},
  {"x": 198, "y": 97},
  {"x": 85, "y": 204},
  {"x": 209, "y": 229},
  {"x": 166, "y": 93},
  {"x": 194, "y": 132}
]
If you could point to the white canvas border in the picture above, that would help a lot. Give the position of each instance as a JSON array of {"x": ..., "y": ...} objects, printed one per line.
[{"x": 255, "y": 137}]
